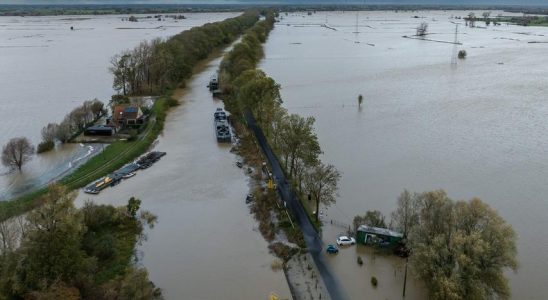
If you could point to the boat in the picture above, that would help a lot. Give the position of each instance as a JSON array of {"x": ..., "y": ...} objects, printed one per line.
[
  {"x": 128, "y": 175},
  {"x": 214, "y": 82},
  {"x": 222, "y": 128},
  {"x": 98, "y": 185}
]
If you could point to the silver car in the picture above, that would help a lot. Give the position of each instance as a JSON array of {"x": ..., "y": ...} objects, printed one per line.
[{"x": 345, "y": 240}]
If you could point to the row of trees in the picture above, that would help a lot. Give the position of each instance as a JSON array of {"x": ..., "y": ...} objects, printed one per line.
[
  {"x": 291, "y": 136},
  {"x": 18, "y": 151},
  {"x": 60, "y": 252},
  {"x": 460, "y": 249},
  {"x": 75, "y": 121},
  {"x": 156, "y": 66}
]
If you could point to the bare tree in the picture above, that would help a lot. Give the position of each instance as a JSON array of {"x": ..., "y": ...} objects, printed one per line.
[
  {"x": 49, "y": 132},
  {"x": 472, "y": 19},
  {"x": 422, "y": 29},
  {"x": 97, "y": 107},
  {"x": 64, "y": 131},
  {"x": 17, "y": 152},
  {"x": 322, "y": 184}
]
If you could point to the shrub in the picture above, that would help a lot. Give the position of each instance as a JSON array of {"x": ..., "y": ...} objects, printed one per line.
[
  {"x": 462, "y": 54},
  {"x": 171, "y": 102},
  {"x": 120, "y": 99},
  {"x": 45, "y": 146},
  {"x": 133, "y": 133},
  {"x": 374, "y": 281}
]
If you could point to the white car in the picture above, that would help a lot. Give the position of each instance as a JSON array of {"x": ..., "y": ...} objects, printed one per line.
[{"x": 345, "y": 240}]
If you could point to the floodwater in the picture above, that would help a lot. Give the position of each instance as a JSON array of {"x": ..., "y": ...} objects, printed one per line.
[
  {"x": 206, "y": 244},
  {"x": 474, "y": 129},
  {"x": 46, "y": 70}
]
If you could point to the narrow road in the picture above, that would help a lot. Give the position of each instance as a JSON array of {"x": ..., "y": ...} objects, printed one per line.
[{"x": 313, "y": 240}]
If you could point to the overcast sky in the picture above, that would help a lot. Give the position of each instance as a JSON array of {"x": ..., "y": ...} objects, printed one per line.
[{"x": 468, "y": 2}]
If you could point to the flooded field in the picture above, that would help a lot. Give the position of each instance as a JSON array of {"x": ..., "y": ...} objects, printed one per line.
[
  {"x": 474, "y": 129},
  {"x": 47, "y": 69},
  {"x": 206, "y": 244}
]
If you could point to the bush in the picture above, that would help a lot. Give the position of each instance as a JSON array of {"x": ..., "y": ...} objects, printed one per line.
[
  {"x": 462, "y": 54},
  {"x": 120, "y": 99},
  {"x": 133, "y": 133},
  {"x": 45, "y": 146},
  {"x": 171, "y": 102},
  {"x": 374, "y": 281}
]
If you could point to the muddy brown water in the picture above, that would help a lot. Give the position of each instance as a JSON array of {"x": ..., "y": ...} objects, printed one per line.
[
  {"x": 206, "y": 244},
  {"x": 46, "y": 70},
  {"x": 475, "y": 130}
]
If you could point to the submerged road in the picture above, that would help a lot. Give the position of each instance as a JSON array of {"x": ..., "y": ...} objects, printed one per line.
[{"x": 313, "y": 240}]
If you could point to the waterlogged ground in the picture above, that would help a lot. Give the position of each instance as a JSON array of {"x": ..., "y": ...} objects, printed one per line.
[
  {"x": 477, "y": 129},
  {"x": 46, "y": 70}
]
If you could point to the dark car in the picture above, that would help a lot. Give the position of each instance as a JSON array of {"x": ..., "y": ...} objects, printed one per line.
[{"x": 332, "y": 249}]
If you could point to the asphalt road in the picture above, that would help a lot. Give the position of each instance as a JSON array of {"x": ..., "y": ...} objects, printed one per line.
[{"x": 313, "y": 240}]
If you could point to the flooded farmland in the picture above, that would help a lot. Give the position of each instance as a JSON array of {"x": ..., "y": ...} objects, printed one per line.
[
  {"x": 474, "y": 129},
  {"x": 47, "y": 69}
]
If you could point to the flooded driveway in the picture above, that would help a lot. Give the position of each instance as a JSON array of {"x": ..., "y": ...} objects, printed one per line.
[
  {"x": 206, "y": 244},
  {"x": 477, "y": 129}
]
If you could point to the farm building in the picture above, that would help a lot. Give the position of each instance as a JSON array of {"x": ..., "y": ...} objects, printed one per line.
[{"x": 368, "y": 235}]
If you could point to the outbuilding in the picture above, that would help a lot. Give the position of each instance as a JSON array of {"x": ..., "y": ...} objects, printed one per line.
[
  {"x": 369, "y": 235},
  {"x": 101, "y": 130}
]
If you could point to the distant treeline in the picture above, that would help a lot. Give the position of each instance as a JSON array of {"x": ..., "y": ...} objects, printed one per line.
[
  {"x": 526, "y": 20},
  {"x": 160, "y": 65},
  {"x": 98, "y": 9},
  {"x": 102, "y": 9}
]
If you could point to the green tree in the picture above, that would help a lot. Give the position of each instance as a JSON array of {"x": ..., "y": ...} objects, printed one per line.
[
  {"x": 134, "y": 285},
  {"x": 372, "y": 218},
  {"x": 406, "y": 214},
  {"x": 299, "y": 143},
  {"x": 51, "y": 249},
  {"x": 120, "y": 68},
  {"x": 322, "y": 184},
  {"x": 261, "y": 95},
  {"x": 461, "y": 249},
  {"x": 133, "y": 206}
]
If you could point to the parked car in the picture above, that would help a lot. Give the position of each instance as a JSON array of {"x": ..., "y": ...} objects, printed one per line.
[
  {"x": 344, "y": 240},
  {"x": 332, "y": 249}
]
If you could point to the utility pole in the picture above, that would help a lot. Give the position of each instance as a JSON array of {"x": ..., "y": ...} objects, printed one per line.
[
  {"x": 455, "y": 43},
  {"x": 405, "y": 277}
]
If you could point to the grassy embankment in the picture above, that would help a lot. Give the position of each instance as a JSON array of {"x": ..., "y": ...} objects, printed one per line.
[{"x": 186, "y": 49}]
